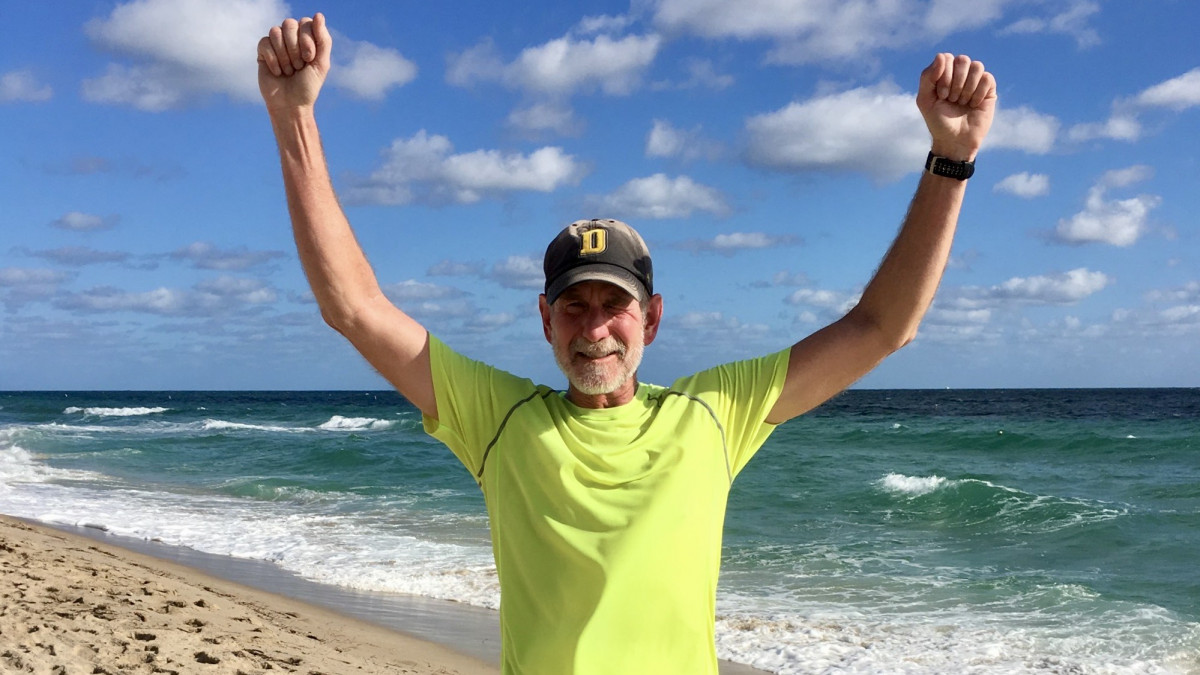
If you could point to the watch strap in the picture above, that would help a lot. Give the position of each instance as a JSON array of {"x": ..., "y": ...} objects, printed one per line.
[{"x": 940, "y": 166}]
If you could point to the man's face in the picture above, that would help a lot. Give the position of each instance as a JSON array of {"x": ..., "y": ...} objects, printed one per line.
[{"x": 598, "y": 333}]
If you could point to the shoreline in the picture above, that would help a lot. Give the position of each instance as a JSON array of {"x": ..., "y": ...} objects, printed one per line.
[
  {"x": 370, "y": 632},
  {"x": 69, "y": 601}
]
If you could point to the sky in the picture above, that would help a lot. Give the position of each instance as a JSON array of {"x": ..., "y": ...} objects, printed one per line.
[{"x": 766, "y": 150}]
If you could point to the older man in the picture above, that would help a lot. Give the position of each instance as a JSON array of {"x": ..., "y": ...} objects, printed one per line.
[{"x": 607, "y": 500}]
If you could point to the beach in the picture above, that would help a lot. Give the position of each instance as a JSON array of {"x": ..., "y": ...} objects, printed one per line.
[{"x": 70, "y": 604}]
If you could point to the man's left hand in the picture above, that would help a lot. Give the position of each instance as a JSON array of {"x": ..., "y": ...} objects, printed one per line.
[{"x": 957, "y": 98}]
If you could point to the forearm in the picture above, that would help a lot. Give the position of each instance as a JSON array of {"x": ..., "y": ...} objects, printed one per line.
[
  {"x": 902, "y": 289},
  {"x": 338, "y": 272}
]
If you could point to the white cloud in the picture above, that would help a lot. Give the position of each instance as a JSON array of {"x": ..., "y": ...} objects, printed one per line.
[
  {"x": 203, "y": 255},
  {"x": 957, "y": 317},
  {"x": 111, "y": 299},
  {"x": 818, "y": 298},
  {"x": 1118, "y": 222},
  {"x": 876, "y": 130},
  {"x": 1121, "y": 126},
  {"x": 481, "y": 63},
  {"x": 20, "y": 285},
  {"x": 784, "y": 278},
  {"x": 83, "y": 222},
  {"x": 405, "y": 291},
  {"x": 1177, "y": 93},
  {"x": 830, "y": 305},
  {"x": 225, "y": 291},
  {"x": 486, "y": 323},
  {"x": 424, "y": 169},
  {"x": 519, "y": 272},
  {"x": 1181, "y": 314},
  {"x": 1188, "y": 293},
  {"x": 603, "y": 24},
  {"x": 658, "y": 196},
  {"x": 13, "y": 277},
  {"x": 78, "y": 256},
  {"x": 430, "y": 310},
  {"x": 1025, "y": 185},
  {"x": 709, "y": 326},
  {"x": 222, "y": 295},
  {"x": 1061, "y": 289},
  {"x": 562, "y": 66},
  {"x": 1072, "y": 21},
  {"x": 368, "y": 71},
  {"x": 1125, "y": 177},
  {"x": 1023, "y": 128},
  {"x": 727, "y": 244},
  {"x": 170, "y": 70},
  {"x": 700, "y": 74},
  {"x": 817, "y": 30},
  {"x": 450, "y": 268},
  {"x": 664, "y": 140},
  {"x": 21, "y": 85},
  {"x": 545, "y": 116}
]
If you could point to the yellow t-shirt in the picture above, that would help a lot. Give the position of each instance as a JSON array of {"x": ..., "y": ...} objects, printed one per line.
[{"x": 606, "y": 524}]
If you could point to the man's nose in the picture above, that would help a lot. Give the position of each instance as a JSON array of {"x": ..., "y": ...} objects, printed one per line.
[{"x": 595, "y": 324}]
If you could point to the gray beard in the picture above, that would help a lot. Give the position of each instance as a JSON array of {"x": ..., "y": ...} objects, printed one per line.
[{"x": 595, "y": 380}]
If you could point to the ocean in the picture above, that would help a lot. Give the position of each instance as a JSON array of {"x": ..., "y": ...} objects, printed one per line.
[{"x": 901, "y": 531}]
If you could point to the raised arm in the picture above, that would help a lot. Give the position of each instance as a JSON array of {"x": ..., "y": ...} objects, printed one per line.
[
  {"x": 957, "y": 98},
  {"x": 293, "y": 61}
]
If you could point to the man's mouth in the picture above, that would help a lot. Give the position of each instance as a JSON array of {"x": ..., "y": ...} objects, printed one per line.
[
  {"x": 596, "y": 357},
  {"x": 599, "y": 351}
]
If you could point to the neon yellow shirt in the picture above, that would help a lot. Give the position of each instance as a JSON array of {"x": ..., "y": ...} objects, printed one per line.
[{"x": 606, "y": 524}]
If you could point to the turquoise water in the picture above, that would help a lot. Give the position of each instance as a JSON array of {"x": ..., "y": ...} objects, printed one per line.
[{"x": 996, "y": 531}]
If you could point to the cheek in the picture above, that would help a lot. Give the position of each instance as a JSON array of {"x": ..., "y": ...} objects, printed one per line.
[{"x": 560, "y": 333}]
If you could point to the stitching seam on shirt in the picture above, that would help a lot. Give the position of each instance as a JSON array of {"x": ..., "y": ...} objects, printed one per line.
[
  {"x": 500, "y": 430},
  {"x": 716, "y": 421}
]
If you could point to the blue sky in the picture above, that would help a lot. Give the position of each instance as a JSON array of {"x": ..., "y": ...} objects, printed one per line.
[{"x": 766, "y": 150}]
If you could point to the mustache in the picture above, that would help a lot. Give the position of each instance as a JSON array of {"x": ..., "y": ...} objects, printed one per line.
[{"x": 609, "y": 345}]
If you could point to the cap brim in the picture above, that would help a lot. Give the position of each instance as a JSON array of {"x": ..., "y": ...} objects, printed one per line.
[{"x": 612, "y": 274}]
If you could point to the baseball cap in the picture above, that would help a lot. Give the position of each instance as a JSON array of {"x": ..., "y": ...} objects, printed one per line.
[{"x": 598, "y": 250}]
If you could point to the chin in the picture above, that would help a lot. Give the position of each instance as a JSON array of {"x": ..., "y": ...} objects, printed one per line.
[{"x": 594, "y": 381}]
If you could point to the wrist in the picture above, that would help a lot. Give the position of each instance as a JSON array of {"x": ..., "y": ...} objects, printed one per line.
[
  {"x": 954, "y": 152},
  {"x": 288, "y": 113}
]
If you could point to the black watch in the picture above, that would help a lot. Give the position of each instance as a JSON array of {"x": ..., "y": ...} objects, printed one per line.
[{"x": 940, "y": 166}]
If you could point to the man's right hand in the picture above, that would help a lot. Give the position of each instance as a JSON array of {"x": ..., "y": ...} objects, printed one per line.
[{"x": 293, "y": 60}]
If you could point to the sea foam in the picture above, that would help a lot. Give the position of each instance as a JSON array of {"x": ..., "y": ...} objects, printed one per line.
[
  {"x": 115, "y": 412},
  {"x": 339, "y": 423},
  {"x": 913, "y": 485}
]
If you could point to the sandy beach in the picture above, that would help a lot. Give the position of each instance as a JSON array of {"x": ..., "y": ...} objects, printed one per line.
[{"x": 69, "y": 605}]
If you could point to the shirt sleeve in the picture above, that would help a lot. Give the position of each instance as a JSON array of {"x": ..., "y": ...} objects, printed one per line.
[
  {"x": 471, "y": 396},
  {"x": 741, "y": 395}
]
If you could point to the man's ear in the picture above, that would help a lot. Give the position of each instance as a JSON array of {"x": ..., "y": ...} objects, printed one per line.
[
  {"x": 654, "y": 312},
  {"x": 544, "y": 309}
]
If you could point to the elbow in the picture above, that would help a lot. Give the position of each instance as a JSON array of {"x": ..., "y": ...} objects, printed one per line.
[
  {"x": 896, "y": 338},
  {"x": 339, "y": 317},
  {"x": 333, "y": 320},
  {"x": 904, "y": 339},
  {"x": 350, "y": 317},
  {"x": 890, "y": 337}
]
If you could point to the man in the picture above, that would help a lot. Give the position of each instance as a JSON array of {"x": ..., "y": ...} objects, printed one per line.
[{"x": 607, "y": 501}]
